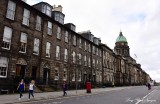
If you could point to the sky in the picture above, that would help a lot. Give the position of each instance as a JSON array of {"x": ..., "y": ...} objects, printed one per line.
[{"x": 139, "y": 21}]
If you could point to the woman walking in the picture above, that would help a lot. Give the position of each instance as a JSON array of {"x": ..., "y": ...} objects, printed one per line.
[
  {"x": 21, "y": 88},
  {"x": 31, "y": 89}
]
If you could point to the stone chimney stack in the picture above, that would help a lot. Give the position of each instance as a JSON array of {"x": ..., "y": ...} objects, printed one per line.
[
  {"x": 58, "y": 8},
  {"x": 24, "y": 1}
]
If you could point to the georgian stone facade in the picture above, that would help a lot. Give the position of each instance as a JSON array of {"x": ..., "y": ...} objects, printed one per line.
[
  {"x": 108, "y": 60},
  {"x": 36, "y": 44}
]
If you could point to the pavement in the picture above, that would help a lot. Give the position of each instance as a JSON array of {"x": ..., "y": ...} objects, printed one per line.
[{"x": 14, "y": 98}]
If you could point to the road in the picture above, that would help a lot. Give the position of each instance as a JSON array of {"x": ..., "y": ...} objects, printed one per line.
[{"x": 135, "y": 95}]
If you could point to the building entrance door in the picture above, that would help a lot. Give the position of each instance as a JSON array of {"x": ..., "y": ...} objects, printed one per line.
[
  {"x": 45, "y": 76},
  {"x": 21, "y": 66},
  {"x": 34, "y": 72},
  {"x": 21, "y": 71}
]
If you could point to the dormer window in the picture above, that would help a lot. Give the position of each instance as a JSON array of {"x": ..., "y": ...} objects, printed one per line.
[
  {"x": 73, "y": 28},
  {"x": 47, "y": 10},
  {"x": 59, "y": 17}
]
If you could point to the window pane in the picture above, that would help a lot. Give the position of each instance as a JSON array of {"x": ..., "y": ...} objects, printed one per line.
[
  {"x": 11, "y": 10},
  {"x": 23, "y": 37},
  {"x": 44, "y": 9},
  {"x": 49, "y": 28},
  {"x": 3, "y": 62},
  {"x": 74, "y": 40},
  {"x": 74, "y": 57},
  {"x": 26, "y": 16},
  {"x": 56, "y": 73},
  {"x": 7, "y": 34},
  {"x": 48, "y": 11},
  {"x": 65, "y": 74},
  {"x": 48, "y": 45},
  {"x": 66, "y": 36},
  {"x": 23, "y": 42},
  {"x": 26, "y": 13},
  {"x": 80, "y": 43},
  {"x": 38, "y": 23},
  {"x": 49, "y": 24},
  {"x": 59, "y": 33},
  {"x": 58, "y": 52},
  {"x": 65, "y": 55},
  {"x": 3, "y": 66},
  {"x": 36, "y": 46}
]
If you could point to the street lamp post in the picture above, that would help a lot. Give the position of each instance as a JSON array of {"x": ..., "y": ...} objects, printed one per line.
[
  {"x": 13, "y": 78},
  {"x": 76, "y": 79},
  {"x": 76, "y": 73}
]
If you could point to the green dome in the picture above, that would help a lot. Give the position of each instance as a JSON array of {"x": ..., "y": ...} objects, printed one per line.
[{"x": 121, "y": 38}]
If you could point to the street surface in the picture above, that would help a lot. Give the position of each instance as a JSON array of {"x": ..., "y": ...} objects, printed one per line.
[{"x": 133, "y": 95}]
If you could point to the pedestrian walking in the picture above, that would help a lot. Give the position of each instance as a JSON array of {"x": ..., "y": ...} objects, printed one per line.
[
  {"x": 64, "y": 86},
  {"x": 31, "y": 89},
  {"x": 149, "y": 86},
  {"x": 21, "y": 88}
]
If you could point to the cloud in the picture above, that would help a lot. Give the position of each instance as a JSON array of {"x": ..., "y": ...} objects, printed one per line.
[{"x": 138, "y": 20}]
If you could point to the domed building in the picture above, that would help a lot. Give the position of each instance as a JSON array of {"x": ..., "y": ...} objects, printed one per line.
[
  {"x": 121, "y": 46},
  {"x": 122, "y": 50}
]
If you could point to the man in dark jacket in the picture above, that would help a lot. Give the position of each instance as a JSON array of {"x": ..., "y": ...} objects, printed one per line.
[
  {"x": 149, "y": 86},
  {"x": 64, "y": 86}
]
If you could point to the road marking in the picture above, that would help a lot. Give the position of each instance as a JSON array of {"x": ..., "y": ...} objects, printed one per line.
[{"x": 138, "y": 101}]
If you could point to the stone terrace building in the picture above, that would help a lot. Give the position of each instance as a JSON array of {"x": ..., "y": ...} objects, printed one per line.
[
  {"x": 108, "y": 66},
  {"x": 94, "y": 57},
  {"x": 21, "y": 40},
  {"x": 36, "y": 44}
]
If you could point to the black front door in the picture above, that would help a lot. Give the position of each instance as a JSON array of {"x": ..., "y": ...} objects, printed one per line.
[
  {"x": 45, "y": 76},
  {"x": 34, "y": 72},
  {"x": 23, "y": 71}
]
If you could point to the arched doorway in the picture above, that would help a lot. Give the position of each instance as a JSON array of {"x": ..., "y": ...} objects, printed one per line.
[
  {"x": 46, "y": 71},
  {"x": 21, "y": 66}
]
